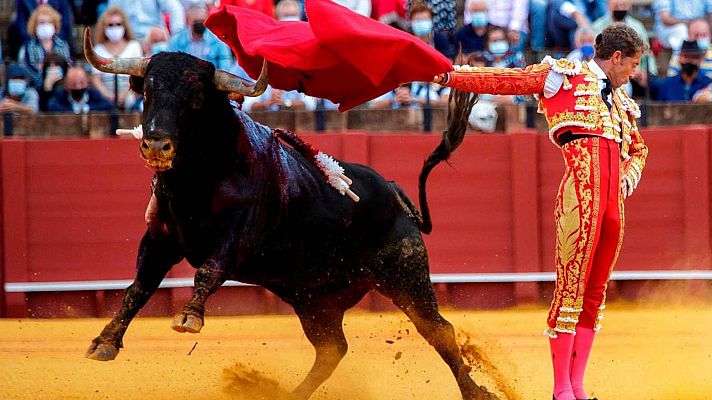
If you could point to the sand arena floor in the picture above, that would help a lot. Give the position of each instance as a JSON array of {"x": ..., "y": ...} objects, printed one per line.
[{"x": 644, "y": 352}]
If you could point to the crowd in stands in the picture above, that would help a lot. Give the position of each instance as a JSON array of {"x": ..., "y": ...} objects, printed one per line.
[{"x": 45, "y": 71}]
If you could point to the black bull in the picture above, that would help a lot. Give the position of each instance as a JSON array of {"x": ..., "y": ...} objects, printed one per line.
[{"x": 238, "y": 204}]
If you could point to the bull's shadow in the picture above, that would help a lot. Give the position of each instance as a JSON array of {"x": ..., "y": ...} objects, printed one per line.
[{"x": 239, "y": 204}]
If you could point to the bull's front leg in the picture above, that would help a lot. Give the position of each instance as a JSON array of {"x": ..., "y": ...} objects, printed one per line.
[
  {"x": 213, "y": 273},
  {"x": 208, "y": 279},
  {"x": 156, "y": 256}
]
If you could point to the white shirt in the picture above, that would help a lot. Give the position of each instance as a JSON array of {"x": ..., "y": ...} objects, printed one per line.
[{"x": 554, "y": 80}]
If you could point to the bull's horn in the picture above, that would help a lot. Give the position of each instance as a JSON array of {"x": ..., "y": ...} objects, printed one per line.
[
  {"x": 125, "y": 66},
  {"x": 231, "y": 83}
]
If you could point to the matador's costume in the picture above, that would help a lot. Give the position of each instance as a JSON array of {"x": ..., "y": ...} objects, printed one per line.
[{"x": 595, "y": 127}]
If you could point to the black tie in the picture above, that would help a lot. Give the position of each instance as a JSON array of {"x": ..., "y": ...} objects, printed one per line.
[{"x": 606, "y": 91}]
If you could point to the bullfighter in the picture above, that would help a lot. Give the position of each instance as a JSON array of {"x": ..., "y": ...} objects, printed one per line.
[{"x": 593, "y": 121}]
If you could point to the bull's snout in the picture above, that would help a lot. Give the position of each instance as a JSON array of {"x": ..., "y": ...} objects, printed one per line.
[{"x": 158, "y": 153}]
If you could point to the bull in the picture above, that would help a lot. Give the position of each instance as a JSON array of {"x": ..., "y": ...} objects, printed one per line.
[{"x": 239, "y": 204}]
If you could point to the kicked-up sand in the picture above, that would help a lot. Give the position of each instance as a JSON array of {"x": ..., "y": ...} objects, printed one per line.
[{"x": 655, "y": 352}]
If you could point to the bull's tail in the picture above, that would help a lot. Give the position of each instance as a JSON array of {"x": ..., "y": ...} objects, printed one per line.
[{"x": 459, "y": 107}]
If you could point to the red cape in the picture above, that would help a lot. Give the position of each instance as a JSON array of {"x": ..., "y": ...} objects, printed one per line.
[{"x": 338, "y": 55}]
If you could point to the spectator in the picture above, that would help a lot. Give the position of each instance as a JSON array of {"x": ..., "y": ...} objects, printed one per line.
[
  {"x": 683, "y": 86},
  {"x": 196, "y": 40},
  {"x": 421, "y": 23},
  {"x": 19, "y": 32},
  {"x": 362, "y": 7},
  {"x": 537, "y": 23},
  {"x": 288, "y": 10},
  {"x": 700, "y": 32},
  {"x": 265, "y": 6},
  {"x": 18, "y": 96},
  {"x": 76, "y": 96},
  {"x": 390, "y": 12},
  {"x": 143, "y": 15},
  {"x": 672, "y": 17},
  {"x": 274, "y": 100},
  {"x": 619, "y": 11},
  {"x": 54, "y": 69},
  {"x": 114, "y": 39},
  {"x": 156, "y": 41},
  {"x": 584, "y": 41},
  {"x": 471, "y": 37},
  {"x": 498, "y": 52},
  {"x": 400, "y": 97},
  {"x": 563, "y": 18},
  {"x": 43, "y": 25},
  {"x": 511, "y": 15},
  {"x": 442, "y": 13}
]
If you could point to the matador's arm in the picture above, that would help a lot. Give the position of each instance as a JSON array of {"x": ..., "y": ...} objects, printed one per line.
[{"x": 499, "y": 81}]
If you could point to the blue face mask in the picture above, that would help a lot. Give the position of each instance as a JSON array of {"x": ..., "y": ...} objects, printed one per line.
[
  {"x": 703, "y": 44},
  {"x": 479, "y": 19},
  {"x": 422, "y": 27},
  {"x": 587, "y": 51},
  {"x": 498, "y": 47},
  {"x": 16, "y": 87}
]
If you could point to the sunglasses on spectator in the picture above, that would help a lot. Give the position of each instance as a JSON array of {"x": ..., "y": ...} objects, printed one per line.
[{"x": 118, "y": 24}]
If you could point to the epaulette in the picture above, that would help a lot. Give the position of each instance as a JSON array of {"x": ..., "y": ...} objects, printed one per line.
[{"x": 563, "y": 66}]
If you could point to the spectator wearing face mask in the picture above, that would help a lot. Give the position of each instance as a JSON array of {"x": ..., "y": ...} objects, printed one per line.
[
  {"x": 512, "y": 16},
  {"x": 18, "y": 96},
  {"x": 471, "y": 37},
  {"x": 76, "y": 96},
  {"x": 498, "y": 52},
  {"x": 619, "y": 12},
  {"x": 699, "y": 31},
  {"x": 442, "y": 13},
  {"x": 19, "y": 32},
  {"x": 114, "y": 39},
  {"x": 683, "y": 86},
  {"x": 584, "y": 40},
  {"x": 196, "y": 40},
  {"x": 421, "y": 24},
  {"x": 146, "y": 14},
  {"x": 54, "y": 69},
  {"x": 42, "y": 26}
]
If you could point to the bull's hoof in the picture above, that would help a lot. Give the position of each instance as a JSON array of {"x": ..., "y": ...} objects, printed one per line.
[
  {"x": 187, "y": 323},
  {"x": 101, "y": 352}
]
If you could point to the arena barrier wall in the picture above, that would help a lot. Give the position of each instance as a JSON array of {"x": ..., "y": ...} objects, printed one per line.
[{"x": 72, "y": 217}]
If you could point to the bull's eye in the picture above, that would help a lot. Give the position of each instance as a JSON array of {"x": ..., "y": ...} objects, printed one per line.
[
  {"x": 166, "y": 147},
  {"x": 144, "y": 145}
]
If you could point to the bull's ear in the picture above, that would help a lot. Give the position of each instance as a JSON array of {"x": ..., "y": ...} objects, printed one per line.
[{"x": 136, "y": 83}]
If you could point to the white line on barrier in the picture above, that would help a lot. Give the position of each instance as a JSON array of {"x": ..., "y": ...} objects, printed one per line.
[{"x": 72, "y": 286}]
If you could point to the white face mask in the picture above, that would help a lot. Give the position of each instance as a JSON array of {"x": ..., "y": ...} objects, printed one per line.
[
  {"x": 45, "y": 31},
  {"x": 290, "y": 18},
  {"x": 115, "y": 33}
]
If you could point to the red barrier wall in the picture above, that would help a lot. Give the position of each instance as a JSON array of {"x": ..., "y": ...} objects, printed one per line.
[{"x": 73, "y": 210}]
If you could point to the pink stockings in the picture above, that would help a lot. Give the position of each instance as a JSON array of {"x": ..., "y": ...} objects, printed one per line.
[{"x": 569, "y": 355}]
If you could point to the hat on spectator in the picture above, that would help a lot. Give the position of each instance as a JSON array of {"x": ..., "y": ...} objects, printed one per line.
[
  {"x": 690, "y": 48},
  {"x": 16, "y": 71}
]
